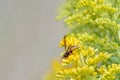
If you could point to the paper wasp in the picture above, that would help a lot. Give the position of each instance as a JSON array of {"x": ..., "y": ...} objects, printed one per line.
[{"x": 68, "y": 49}]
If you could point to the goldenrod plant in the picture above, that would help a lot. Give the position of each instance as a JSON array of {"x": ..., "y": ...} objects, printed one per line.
[{"x": 92, "y": 46}]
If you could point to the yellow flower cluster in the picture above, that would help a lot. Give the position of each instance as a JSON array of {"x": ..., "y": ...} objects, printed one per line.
[
  {"x": 94, "y": 41},
  {"x": 88, "y": 10},
  {"x": 77, "y": 73},
  {"x": 93, "y": 55},
  {"x": 69, "y": 40},
  {"x": 87, "y": 56},
  {"x": 81, "y": 68},
  {"x": 85, "y": 3},
  {"x": 101, "y": 57},
  {"x": 109, "y": 73},
  {"x": 78, "y": 18},
  {"x": 86, "y": 63},
  {"x": 107, "y": 23}
]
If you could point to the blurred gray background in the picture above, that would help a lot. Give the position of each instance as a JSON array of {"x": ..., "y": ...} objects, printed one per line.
[{"x": 29, "y": 37}]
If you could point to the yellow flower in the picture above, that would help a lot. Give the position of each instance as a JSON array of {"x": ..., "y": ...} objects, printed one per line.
[
  {"x": 69, "y": 40},
  {"x": 102, "y": 70},
  {"x": 101, "y": 57},
  {"x": 91, "y": 61},
  {"x": 89, "y": 52},
  {"x": 104, "y": 56}
]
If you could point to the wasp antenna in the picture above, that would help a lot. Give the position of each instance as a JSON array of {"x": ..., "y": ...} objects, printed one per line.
[{"x": 65, "y": 42}]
